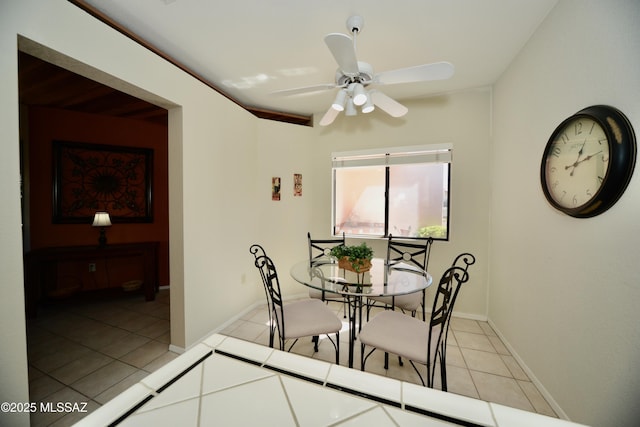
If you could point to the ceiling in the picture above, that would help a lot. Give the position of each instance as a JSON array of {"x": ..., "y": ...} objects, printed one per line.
[
  {"x": 46, "y": 85},
  {"x": 248, "y": 49}
]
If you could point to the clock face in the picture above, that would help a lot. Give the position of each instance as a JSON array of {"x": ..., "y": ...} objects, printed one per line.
[{"x": 576, "y": 163}]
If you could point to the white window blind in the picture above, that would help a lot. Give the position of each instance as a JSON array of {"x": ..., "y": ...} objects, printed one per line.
[{"x": 439, "y": 153}]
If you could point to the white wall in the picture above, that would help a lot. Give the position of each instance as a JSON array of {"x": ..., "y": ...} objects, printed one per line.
[
  {"x": 561, "y": 291},
  {"x": 462, "y": 119},
  {"x": 282, "y": 150},
  {"x": 564, "y": 292},
  {"x": 212, "y": 203},
  {"x": 13, "y": 356}
]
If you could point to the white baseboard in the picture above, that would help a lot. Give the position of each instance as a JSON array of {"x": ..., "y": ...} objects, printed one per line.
[
  {"x": 176, "y": 349},
  {"x": 232, "y": 320},
  {"x": 235, "y": 318},
  {"x": 477, "y": 317},
  {"x": 545, "y": 393}
]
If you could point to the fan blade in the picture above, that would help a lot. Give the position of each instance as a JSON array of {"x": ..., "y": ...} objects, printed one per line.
[
  {"x": 419, "y": 73},
  {"x": 329, "y": 117},
  {"x": 388, "y": 105},
  {"x": 305, "y": 89},
  {"x": 341, "y": 47}
]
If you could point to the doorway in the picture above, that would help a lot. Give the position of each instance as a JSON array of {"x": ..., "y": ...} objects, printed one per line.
[{"x": 82, "y": 348}]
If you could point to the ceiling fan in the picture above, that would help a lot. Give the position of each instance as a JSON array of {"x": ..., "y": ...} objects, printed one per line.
[{"x": 354, "y": 77}]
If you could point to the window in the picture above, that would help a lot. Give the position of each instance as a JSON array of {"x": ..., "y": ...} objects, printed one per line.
[{"x": 402, "y": 191}]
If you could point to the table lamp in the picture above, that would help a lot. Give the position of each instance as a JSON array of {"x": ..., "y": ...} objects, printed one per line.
[{"x": 102, "y": 220}]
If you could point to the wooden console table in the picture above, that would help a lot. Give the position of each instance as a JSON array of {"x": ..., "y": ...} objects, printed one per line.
[{"x": 41, "y": 267}]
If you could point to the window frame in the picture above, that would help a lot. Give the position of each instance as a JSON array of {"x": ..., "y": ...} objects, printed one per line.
[{"x": 442, "y": 153}]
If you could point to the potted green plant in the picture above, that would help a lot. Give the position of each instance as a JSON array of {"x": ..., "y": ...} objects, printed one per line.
[{"x": 354, "y": 258}]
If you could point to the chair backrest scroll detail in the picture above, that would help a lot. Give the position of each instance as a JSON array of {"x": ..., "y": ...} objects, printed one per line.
[
  {"x": 443, "y": 303},
  {"x": 269, "y": 276}
]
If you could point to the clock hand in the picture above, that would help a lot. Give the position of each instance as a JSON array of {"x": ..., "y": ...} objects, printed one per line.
[
  {"x": 577, "y": 162},
  {"x": 581, "y": 149},
  {"x": 574, "y": 164},
  {"x": 588, "y": 157}
]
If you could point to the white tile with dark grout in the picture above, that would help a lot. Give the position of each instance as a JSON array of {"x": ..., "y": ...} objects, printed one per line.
[{"x": 116, "y": 352}]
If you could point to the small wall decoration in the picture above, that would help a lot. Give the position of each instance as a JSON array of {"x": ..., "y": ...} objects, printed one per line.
[
  {"x": 92, "y": 177},
  {"x": 275, "y": 188},
  {"x": 297, "y": 185}
]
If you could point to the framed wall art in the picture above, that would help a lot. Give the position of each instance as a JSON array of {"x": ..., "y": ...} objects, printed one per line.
[
  {"x": 91, "y": 177},
  {"x": 297, "y": 185},
  {"x": 275, "y": 188}
]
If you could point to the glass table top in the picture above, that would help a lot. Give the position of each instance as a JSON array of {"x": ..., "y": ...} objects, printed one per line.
[{"x": 382, "y": 280}]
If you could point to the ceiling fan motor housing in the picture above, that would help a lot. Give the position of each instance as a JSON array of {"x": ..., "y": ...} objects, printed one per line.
[{"x": 365, "y": 76}]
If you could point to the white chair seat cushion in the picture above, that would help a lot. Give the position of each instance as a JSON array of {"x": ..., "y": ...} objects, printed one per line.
[
  {"x": 308, "y": 318},
  {"x": 397, "y": 333},
  {"x": 409, "y": 302}
]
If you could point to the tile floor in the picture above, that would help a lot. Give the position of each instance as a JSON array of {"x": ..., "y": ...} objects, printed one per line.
[
  {"x": 92, "y": 351},
  {"x": 211, "y": 383},
  {"x": 478, "y": 363}
]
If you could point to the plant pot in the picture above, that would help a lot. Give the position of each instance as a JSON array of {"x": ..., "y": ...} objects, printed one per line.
[{"x": 361, "y": 265}]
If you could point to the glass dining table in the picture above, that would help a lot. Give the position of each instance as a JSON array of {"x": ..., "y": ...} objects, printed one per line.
[{"x": 381, "y": 280}]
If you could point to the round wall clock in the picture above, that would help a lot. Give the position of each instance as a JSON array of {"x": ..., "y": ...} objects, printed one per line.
[{"x": 588, "y": 161}]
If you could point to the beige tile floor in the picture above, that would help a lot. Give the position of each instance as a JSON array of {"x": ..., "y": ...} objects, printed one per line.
[
  {"x": 92, "y": 351},
  {"x": 478, "y": 363}
]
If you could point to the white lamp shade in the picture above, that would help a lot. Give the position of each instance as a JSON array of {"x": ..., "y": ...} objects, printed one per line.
[
  {"x": 359, "y": 94},
  {"x": 338, "y": 103},
  {"x": 101, "y": 219},
  {"x": 368, "y": 106},
  {"x": 351, "y": 109}
]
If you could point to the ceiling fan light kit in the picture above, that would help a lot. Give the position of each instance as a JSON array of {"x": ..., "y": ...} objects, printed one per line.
[
  {"x": 351, "y": 109},
  {"x": 353, "y": 78},
  {"x": 368, "y": 106},
  {"x": 359, "y": 94},
  {"x": 340, "y": 101}
]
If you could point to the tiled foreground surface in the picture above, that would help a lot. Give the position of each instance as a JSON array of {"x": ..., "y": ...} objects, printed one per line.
[
  {"x": 478, "y": 363},
  {"x": 227, "y": 381},
  {"x": 92, "y": 352}
]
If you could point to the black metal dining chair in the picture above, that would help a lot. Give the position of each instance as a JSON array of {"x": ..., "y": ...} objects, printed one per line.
[
  {"x": 320, "y": 249},
  {"x": 319, "y": 252},
  {"x": 305, "y": 318},
  {"x": 418, "y": 341},
  {"x": 416, "y": 254}
]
